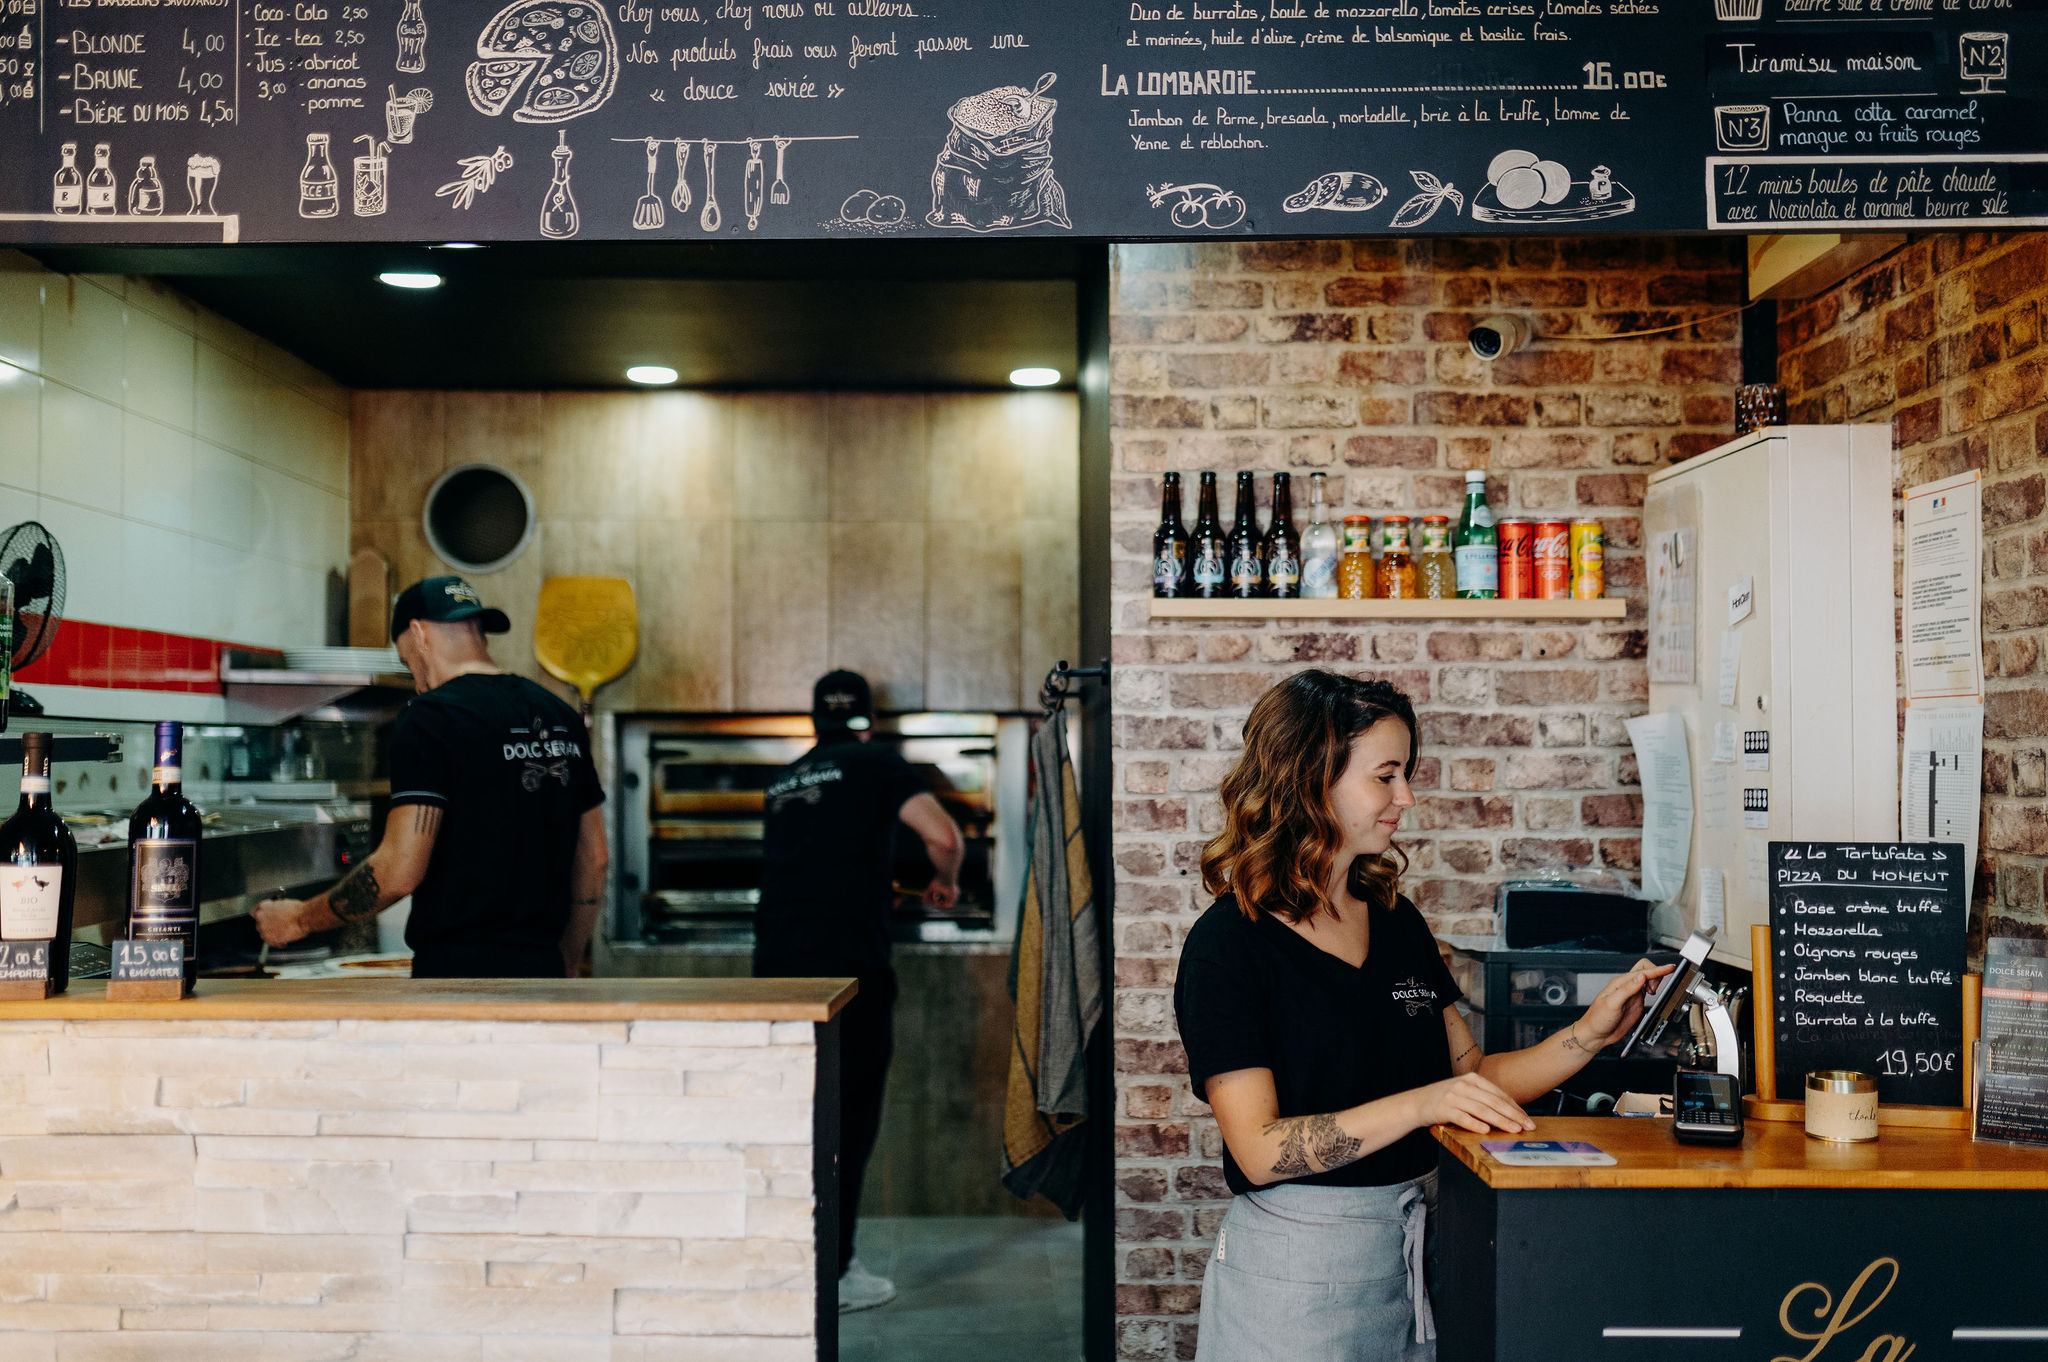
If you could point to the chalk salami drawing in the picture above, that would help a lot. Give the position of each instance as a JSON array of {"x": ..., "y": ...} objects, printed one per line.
[
  {"x": 1199, "y": 205},
  {"x": 1984, "y": 58},
  {"x": 479, "y": 173},
  {"x": 754, "y": 186},
  {"x": 1434, "y": 194},
  {"x": 558, "y": 216},
  {"x": 994, "y": 172},
  {"x": 1340, "y": 191},
  {"x": 558, "y": 59},
  {"x": 1522, "y": 187},
  {"x": 871, "y": 214}
]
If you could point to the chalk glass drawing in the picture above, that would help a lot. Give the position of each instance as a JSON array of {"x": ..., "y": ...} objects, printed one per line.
[
  {"x": 370, "y": 182},
  {"x": 558, "y": 216},
  {"x": 319, "y": 190},
  {"x": 67, "y": 193},
  {"x": 1738, "y": 11},
  {"x": 1340, "y": 191},
  {"x": 558, "y": 58},
  {"x": 994, "y": 172},
  {"x": 100, "y": 182},
  {"x": 1984, "y": 58},
  {"x": 202, "y": 177},
  {"x": 1199, "y": 205},
  {"x": 479, "y": 173},
  {"x": 647, "y": 214},
  {"x": 779, "y": 191},
  {"x": 145, "y": 191},
  {"x": 1742, "y": 127},
  {"x": 412, "y": 37},
  {"x": 871, "y": 214},
  {"x": 710, "y": 218},
  {"x": 679, "y": 198},
  {"x": 1522, "y": 187},
  {"x": 401, "y": 110},
  {"x": 1422, "y": 207},
  {"x": 754, "y": 186}
]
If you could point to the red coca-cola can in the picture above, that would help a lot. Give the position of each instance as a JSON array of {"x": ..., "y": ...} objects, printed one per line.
[
  {"x": 1553, "y": 560},
  {"x": 1517, "y": 559}
]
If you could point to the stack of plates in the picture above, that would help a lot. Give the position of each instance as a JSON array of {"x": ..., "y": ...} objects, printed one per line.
[{"x": 343, "y": 660}]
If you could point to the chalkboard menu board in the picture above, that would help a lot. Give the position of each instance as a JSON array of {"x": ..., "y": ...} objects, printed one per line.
[
  {"x": 431, "y": 120},
  {"x": 1867, "y": 965}
]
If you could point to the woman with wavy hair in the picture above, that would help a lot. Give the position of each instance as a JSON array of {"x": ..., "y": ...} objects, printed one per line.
[{"x": 1320, "y": 1025}]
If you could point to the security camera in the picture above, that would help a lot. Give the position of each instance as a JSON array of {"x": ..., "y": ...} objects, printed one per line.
[{"x": 1497, "y": 336}]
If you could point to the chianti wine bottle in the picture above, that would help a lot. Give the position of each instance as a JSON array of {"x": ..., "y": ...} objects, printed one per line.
[
  {"x": 163, "y": 856},
  {"x": 38, "y": 865}
]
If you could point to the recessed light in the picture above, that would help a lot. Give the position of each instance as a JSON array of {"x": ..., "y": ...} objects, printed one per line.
[
  {"x": 409, "y": 279},
  {"x": 460, "y": 246},
  {"x": 651, "y": 374},
  {"x": 1034, "y": 378}
]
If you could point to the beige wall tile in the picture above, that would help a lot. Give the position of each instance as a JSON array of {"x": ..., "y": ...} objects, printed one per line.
[
  {"x": 82, "y": 336},
  {"x": 781, "y": 467},
  {"x": 973, "y": 604},
  {"x": 501, "y": 429},
  {"x": 587, "y": 456},
  {"x": 878, "y": 591},
  {"x": 81, "y": 448},
  {"x": 21, "y": 422},
  {"x": 975, "y": 473},
  {"x": 156, "y": 475},
  {"x": 1044, "y": 433},
  {"x": 21, "y": 309},
  {"x": 1050, "y": 603},
  {"x": 683, "y": 457},
  {"x": 878, "y": 455},
  {"x": 686, "y": 615},
  {"x": 396, "y": 450},
  {"x": 158, "y": 363},
  {"x": 781, "y": 614}
]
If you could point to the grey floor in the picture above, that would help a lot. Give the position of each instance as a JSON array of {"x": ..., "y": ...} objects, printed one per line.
[{"x": 989, "y": 1289}]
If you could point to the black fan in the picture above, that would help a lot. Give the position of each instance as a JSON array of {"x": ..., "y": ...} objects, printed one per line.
[{"x": 31, "y": 560}]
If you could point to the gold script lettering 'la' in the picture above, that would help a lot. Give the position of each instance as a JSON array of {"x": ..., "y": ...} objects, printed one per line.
[{"x": 1832, "y": 1319}]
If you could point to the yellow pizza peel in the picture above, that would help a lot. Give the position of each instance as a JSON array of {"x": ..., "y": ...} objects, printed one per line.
[{"x": 585, "y": 631}]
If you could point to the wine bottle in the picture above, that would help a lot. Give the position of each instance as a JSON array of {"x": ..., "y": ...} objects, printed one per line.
[
  {"x": 163, "y": 856},
  {"x": 38, "y": 865},
  {"x": 1247, "y": 576}
]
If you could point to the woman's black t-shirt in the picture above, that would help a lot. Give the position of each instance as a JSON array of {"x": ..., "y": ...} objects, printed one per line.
[{"x": 1255, "y": 994}]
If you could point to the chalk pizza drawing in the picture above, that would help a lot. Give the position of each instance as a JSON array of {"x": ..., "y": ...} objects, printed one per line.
[
  {"x": 1199, "y": 205},
  {"x": 547, "y": 61},
  {"x": 1522, "y": 187},
  {"x": 994, "y": 173},
  {"x": 1340, "y": 191}
]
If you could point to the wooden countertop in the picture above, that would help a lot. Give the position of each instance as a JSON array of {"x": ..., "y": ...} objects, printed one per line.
[
  {"x": 584, "y": 1000},
  {"x": 1772, "y": 1154}
]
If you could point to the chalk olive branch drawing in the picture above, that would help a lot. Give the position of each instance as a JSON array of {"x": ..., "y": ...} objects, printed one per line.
[{"x": 479, "y": 173}]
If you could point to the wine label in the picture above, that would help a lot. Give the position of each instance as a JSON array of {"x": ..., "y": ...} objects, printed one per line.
[
  {"x": 163, "y": 895},
  {"x": 1478, "y": 567},
  {"x": 29, "y": 895}
]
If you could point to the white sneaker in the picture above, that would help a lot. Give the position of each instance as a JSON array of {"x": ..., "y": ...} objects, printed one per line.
[{"x": 860, "y": 1289}]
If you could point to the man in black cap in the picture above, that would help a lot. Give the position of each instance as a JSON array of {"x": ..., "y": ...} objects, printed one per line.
[
  {"x": 496, "y": 826},
  {"x": 826, "y": 893}
]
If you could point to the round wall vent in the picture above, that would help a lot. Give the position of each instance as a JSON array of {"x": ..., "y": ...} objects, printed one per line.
[{"x": 479, "y": 517}]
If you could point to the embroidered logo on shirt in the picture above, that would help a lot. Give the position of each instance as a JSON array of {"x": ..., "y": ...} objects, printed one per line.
[{"x": 1415, "y": 994}]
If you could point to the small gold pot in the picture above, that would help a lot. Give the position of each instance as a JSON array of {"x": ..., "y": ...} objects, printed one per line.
[{"x": 1841, "y": 1106}]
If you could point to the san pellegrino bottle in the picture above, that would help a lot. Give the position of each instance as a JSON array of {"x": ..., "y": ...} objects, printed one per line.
[
  {"x": 1477, "y": 547},
  {"x": 1170, "y": 545},
  {"x": 1282, "y": 558},
  {"x": 38, "y": 865},
  {"x": 1246, "y": 580},
  {"x": 1207, "y": 548},
  {"x": 1318, "y": 546},
  {"x": 163, "y": 856}
]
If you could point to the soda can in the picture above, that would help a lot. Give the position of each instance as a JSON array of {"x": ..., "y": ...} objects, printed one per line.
[
  {"x": 1517, "y": 559},
  {"x": 1589, "y": 560},
  {"x": 1553, "y": 560}
]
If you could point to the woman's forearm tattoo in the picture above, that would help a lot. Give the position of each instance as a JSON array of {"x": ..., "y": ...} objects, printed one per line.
[{"x": 1312, "y": 1144}]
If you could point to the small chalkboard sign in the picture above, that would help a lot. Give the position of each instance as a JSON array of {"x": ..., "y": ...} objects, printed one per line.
[
  {"x": 147, "y": 971},
  {"x": 24, "y": 970},
  {"x": 1867, "y": 965}
]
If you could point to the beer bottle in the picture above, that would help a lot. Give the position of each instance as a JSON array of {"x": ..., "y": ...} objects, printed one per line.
[
  {"x": 1247, "y": 578},
  {"x": 1206, "y": 546},
  {"x": 1283, "y": 545},
  {"x": 1170, "y": 545}
]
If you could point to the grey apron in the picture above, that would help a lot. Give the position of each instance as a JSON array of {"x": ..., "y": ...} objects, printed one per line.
[{"x": 1332, "y": 1274}]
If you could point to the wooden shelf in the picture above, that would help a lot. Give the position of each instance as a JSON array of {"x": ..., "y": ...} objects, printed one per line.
[{"x": 1189, "y": 609}]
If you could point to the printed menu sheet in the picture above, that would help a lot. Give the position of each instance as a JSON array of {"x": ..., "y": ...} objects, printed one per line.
[
  {"x": 1944, "y": 566},
  {"x": 2012, "y": 1055}
]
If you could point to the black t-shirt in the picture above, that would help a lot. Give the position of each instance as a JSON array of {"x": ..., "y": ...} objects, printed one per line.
[
  {"x": 829, "y": 843},
  {"x": 1255, "y": 994},
  {"x": 509, "y": 765}
]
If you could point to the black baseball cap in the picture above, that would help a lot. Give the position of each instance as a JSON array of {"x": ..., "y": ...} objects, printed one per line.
[
  {"x": 842, "y": 700},
  {"x": 444, "y": 600}
]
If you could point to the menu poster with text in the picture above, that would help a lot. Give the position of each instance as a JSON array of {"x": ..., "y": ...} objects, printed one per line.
[
  {"x": 2012, "y": 1066},
  {"x": 478, "y": 120},
  {"x": 1867, "y": 945}
]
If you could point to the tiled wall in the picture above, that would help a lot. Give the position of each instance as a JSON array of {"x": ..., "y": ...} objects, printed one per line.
[
  {"x": 1351, "y": 358},
  {"x": 1944, "y": 337},
  {"x": 195, "y": 475}
]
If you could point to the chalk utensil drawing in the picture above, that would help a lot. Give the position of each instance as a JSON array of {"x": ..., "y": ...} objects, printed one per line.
[
  {"x": 710, "y": 218},
  {"x": 779, "y": 191},
  {"x": 647, "y": 214},
  {"x": 756, "y": 186},
  {"x": 679, "y": 198}
]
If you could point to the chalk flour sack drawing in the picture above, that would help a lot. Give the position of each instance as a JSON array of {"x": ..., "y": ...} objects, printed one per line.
[{"x": 995, "y": 172}]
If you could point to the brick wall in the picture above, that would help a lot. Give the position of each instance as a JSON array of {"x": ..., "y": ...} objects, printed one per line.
[
  {"x": 1350, "y": 357},
  {"x": 1943, "y": 336}
]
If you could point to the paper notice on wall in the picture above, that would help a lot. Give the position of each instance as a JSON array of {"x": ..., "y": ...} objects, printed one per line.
[
  {"x": 1741, "y": 601},
  {"x": 1756, "y": 874},
  {"x": 1666, "y": 770},
  {"x": 1731, "y": 665},
  {"x": 1724, "y": 741},
  {"x": 1944, "y": 570},
  {"x": 1941, "y": 779},
  {"x": 1672, "y": 574},
  {"x": 1713, "y": 900},
  {"x": 1714, "y": 798}
]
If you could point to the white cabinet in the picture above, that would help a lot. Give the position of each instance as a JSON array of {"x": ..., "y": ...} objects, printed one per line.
[{"x": 1804, "y": 514}]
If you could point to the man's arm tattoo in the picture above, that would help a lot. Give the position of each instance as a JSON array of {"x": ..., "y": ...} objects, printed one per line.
[
  {"x": 426, "y": 820},
  {"x": 1458, "y": 1057},
  {"x": 355, "y": 898},
  {"x": 1312, "y": 1144}
]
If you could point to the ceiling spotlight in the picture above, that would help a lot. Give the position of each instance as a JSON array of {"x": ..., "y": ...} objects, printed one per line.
[
  {"x": 460, "y": 246},
  {"x": 409, "y": 279},
  {"x": 652, "y": 374},
  {"x": 1034, "y": 378}
]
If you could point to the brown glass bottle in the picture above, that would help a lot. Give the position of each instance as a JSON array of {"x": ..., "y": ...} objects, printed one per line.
[
  {"x": 1170, "y": 545},
  {"x": 1282, "y": 558},
  {"x": 1207, "y": 546},
  {"x": 1246, "y": 578}
]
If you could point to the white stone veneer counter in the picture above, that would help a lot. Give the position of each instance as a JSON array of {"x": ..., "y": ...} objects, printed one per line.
[{"x": 396, "y": 1170}]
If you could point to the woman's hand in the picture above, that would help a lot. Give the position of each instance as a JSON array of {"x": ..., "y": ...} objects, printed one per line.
[
  {"x": 1469, "y": 1101},
  {"x": 1619, "y": 1005}
]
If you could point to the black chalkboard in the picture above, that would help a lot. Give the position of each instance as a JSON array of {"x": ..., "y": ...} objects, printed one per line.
[
  {"x": 1867, "y": 965},
  {"x": 1123, "y": 119}
]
